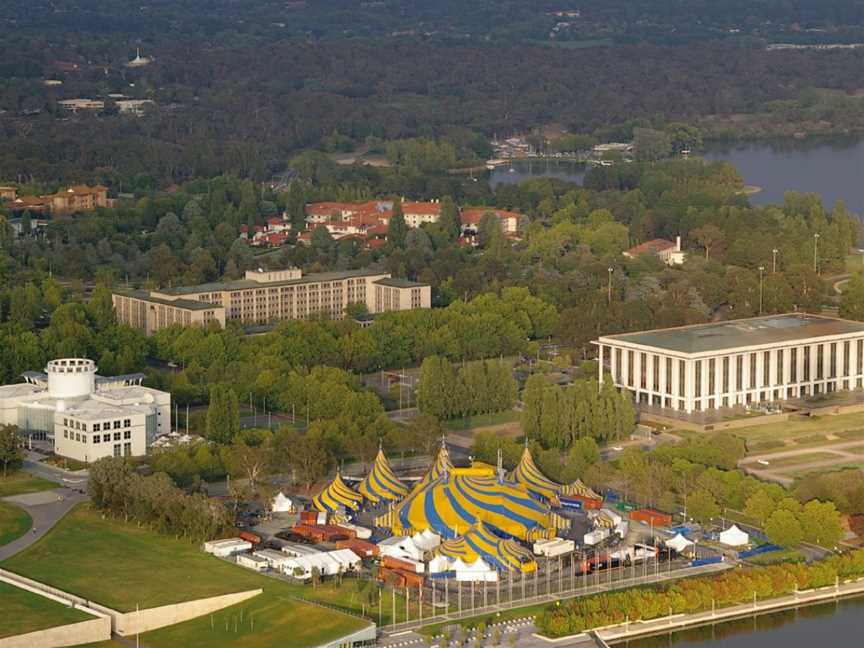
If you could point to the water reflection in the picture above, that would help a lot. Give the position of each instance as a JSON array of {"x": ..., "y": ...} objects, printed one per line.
[{"x": 827, "y": 625}]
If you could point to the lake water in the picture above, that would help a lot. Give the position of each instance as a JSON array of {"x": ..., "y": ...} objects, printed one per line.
[
  {"x": 832, "y": 168},
  {"x": 827, "y": 625}
]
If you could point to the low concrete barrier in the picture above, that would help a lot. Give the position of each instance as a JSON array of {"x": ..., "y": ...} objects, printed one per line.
[
  {"x": 141, "y": 621},
  {"x": 128, "y": 623},
  {"x": 92, "y": 631}
]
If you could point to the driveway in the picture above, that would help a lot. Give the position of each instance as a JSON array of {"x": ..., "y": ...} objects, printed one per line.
[{"x": 46, "y": 508}]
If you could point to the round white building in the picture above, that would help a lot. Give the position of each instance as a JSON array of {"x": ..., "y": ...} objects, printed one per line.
[{"x": 71, "y": 378}]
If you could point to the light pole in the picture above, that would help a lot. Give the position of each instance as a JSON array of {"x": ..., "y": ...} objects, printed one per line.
[
  {"x": 610, "y": 270},
  {"x": 761, "y": 276},
  {"x": 816, "y": 253},
  {"x": 774, "y": 263}
]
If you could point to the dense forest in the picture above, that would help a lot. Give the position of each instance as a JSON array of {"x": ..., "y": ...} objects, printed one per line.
[{"x": 246, "y": 104}]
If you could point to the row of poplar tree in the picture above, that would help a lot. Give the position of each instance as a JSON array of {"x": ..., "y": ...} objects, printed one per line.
[
  {"x": 557, "y": 416},
  {"x": 447, "y": 392}
]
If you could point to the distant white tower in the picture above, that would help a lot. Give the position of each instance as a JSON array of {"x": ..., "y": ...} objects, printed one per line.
[{"x": 139, "y": 61}]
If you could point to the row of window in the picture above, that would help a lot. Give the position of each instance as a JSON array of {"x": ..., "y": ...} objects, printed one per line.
[
  {"x": 107, "y": 425},
  {"x": 96, "y": 438}
]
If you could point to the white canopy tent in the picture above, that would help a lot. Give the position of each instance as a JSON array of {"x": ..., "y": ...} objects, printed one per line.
[
  {"x": 477, "y": 571},
  {"x": 427, "y": 540},
  {"x": 328, "y": 563},
  {"x": 734, "y": 537},
  {"x": 282, "y": 504},
  {"x": 681, "y": 544},
  {"x": 400, "y": 547}
]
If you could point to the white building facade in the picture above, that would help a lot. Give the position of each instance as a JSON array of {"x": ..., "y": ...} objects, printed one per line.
[
  {"x": 743, "y": 362},
  {"x": 86, "y": 416}
]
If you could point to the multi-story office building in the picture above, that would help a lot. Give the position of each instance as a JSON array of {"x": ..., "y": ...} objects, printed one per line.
[
  {"x": 742, "y": 362},
  {"x": 269, "y": 296},
  {"x": 86, "y": 416}
]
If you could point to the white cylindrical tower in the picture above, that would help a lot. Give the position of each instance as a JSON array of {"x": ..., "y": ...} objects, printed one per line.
[{"x": 71, "y": 377}]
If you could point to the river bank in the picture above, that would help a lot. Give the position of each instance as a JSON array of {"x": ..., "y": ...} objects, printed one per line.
[{"x": 624, "y": 632}]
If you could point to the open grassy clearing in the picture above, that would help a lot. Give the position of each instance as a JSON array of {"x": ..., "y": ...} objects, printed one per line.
[
  {"x": 797, "y": 460},
  {"x": 23, "y": 612},
  {"x": 803, "y": 431},
  {"x": 804, "y": 472},
  {"x": 19, "y": 483},
  {"x": 98, "y": 558},
  {"x": 14, "y": 522},
  {"x": 482, "y": 420}
]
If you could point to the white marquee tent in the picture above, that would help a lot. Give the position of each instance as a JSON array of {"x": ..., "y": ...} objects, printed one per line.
[
  {"x": 734, "y": 537},
  {"x": 681, "y": 544},
  {"x": 282, "y": 504}
]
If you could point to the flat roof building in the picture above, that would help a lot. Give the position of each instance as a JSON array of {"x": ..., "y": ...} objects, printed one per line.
[
  {"x": 269, "y": 296},
  {"x": 84, "y": 415},
  {"x": 742, "y": 362}
]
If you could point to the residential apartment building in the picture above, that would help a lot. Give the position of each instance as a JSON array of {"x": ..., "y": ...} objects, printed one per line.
[
  {"x": 742, "y": 362},
  {"x": 264, "y": 297},
  {"x": 85, "y": 415}
]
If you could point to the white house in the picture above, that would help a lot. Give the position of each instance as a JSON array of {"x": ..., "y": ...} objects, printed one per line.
[{"x": 670, "y": 253}]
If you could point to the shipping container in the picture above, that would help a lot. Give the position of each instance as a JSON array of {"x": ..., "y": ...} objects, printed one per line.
[
  {"x": 596, "y": 536},
  {"x": 580, "y": 502},
  {"x": 361, "y": 547},
  {"x": 309, "y": 517},
  {"x": 652, "y": 517},
  {"x": 404, "y": 564},
  {"x": 248, "y": 536}
]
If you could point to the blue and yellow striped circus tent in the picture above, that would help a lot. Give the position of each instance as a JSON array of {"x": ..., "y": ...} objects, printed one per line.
[
  {"x": 336, "y": 496},
  {"x": 441, "y": 466},
  {"x": 382, "y": 484},
  {"x": 453, "y": 503},
  {"x": 528, "y": 474},
  {"x": 480, "y": 542}
]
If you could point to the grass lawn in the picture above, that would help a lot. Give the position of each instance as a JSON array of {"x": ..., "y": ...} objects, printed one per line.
[
  {"x": 473, "y": 622},
  {"x": 786, "y": 555},
  {"x": 846, "y": 426},
  {"x": 482, "y": 420},
  {"x": 23, "y": 612},
  {"x": 121, "y": 565},
  {"x": 824, "y": 469},
  {"x": 19, "y": 483},
  {"x": 14, "y": 522},
  {"x": 797, "y": 460}
]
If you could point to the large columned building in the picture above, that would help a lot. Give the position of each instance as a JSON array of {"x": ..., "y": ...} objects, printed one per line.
[{"x": 741, "y": 362}]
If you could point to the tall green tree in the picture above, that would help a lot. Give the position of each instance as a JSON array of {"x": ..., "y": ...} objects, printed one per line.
[
  {"x": 223, "y": 415},
  {"x": 397, "y": 229},
  {"x": 11, "y": 449}
]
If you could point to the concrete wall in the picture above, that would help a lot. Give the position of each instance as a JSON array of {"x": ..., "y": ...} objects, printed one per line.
[
  {"x": 367, "y": 634},
  {"x": 125, "y": 623},
  {"x": 713, "y": 426},
  {"x": 159, "y": 617},
  {"x": 92, "y": 631}
]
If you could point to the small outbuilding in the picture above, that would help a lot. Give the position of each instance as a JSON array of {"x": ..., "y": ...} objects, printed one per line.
[{"x": 227, "y": 547}]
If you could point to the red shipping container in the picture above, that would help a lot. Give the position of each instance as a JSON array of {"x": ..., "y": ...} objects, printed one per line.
[
  {"x": 652, "y": 517},
  {"x": 248, "y": 536},
  {"x": 362, "y": 548},
  {"x": 588, "y": 503},
  {"x": 409, "y": 579},
  {"x": 309, "y": 517},
  {"x": 397, "y": 563},
  {"x": 394, "y": 577}
]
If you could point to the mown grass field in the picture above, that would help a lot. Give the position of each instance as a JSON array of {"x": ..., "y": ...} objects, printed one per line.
[
  {"x": 14, "y": 522},
  {"x": 805, "y": 431},
  {"x": 482, "y": 420},
  {"x": 121, "y": 565},
  {"x": 19, "y": 483},
  {"x": 22, "y": 611}
]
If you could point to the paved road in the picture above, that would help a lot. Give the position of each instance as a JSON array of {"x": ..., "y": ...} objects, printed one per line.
[{"x": 46, "y": 508}]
